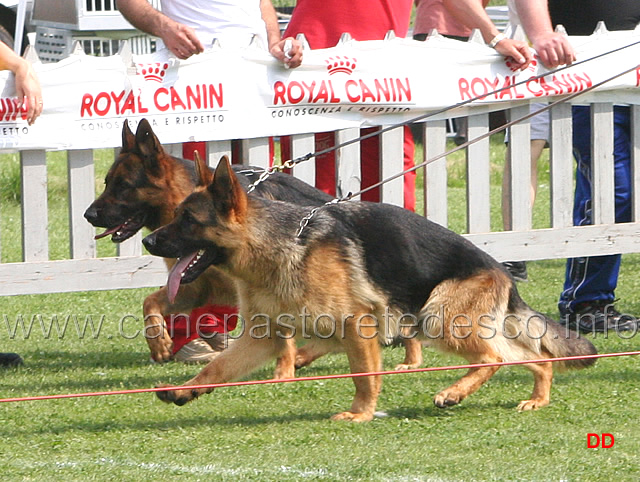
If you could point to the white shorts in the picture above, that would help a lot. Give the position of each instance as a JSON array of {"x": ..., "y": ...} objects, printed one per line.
[{"x": 539, "y": 123}]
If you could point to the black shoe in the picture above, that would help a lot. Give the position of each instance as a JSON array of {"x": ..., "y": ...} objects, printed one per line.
[
  {"x": 518, "y": 270},
  {"x": 598, "y": 317},
  {"x": 10, "y": 360}
]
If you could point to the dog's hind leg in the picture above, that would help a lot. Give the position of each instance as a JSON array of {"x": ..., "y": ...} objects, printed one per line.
[
  {"x": 461, "y": 319},
  {"x": 312, "y": 351},
  {"x": 542, "y": 375},
  {"x": 467, "y": 385},
  {"x": 286, "y": 363},
  {"x": 412, "y": 355}
]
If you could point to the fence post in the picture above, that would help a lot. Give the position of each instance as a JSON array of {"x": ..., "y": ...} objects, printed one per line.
[
  {"x": 81, "y": 194},
  {"x": 35, "y": 230}
]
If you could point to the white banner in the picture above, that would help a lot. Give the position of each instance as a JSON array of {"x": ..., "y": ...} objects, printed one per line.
[{"x": 243, "y": 93}]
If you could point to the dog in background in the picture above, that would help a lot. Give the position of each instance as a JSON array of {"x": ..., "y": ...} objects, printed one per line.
[
  {"x": 143, "y": 188},
  {"x": 352, "y": 278}
]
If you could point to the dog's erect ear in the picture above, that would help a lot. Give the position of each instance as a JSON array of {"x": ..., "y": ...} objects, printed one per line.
[
  {"x": 228, "y": 195},
  {"x": 128, "y": 139},
  {"x": 148, "y": 144},
  {"x": 203, "y": 173}
]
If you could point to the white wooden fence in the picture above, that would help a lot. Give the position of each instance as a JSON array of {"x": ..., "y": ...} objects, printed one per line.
[{"x": 83, "y": 271}]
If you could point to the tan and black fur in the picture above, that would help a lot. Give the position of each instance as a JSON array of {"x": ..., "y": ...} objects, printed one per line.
[
  {"x": 143, "y": 188},
  {"x": 369, "y": 266}
]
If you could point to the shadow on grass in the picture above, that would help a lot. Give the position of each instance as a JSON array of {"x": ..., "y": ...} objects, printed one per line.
[{"x": 186, "y": 422}]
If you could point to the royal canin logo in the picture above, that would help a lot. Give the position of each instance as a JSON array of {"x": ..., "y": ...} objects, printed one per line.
[
  {"x": 514, "y": 68},
  {"x": 9, "y": 110},
  {"x": 154, "y": 71},
  {"x": 340, "y": 64}
]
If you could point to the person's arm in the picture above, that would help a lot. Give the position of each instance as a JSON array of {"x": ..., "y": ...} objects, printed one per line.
[
  {"x": 292, "y": 57},
  {"x": 472, "y": 14},
  {"x": 27, "y": 84},
  {"x": 553, "y": 48},
  {"x": 180, "y": 39}
]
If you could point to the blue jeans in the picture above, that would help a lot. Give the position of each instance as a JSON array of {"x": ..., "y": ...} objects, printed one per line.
[{"x": 595, "y": 278}]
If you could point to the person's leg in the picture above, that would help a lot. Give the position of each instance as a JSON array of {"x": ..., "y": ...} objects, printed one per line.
[
  {"x": 410, "y": 177},
  {"x": 537, "y": 146},
  {"x": 539, "y": 140},
  {"x": 326, "y": 163},
  {"x": 370, "y": 167},
  {"x": 590, "y": 282},
  {"x": 370, "y": 164}
]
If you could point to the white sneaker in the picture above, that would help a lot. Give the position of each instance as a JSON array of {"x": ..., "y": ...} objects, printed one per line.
[{"x": 196, "y": 351}]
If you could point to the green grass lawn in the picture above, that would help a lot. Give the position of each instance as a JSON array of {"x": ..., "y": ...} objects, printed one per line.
[{"x": 282, "y": 432}]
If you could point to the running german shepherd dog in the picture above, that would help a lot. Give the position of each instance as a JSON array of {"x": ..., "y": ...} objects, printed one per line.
[
  {"x": 143, "y": 189},
  {"x": 355, "y": 275}
]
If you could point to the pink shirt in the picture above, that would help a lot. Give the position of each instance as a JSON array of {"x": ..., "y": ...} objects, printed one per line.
[{"x": 324, "y": 21}]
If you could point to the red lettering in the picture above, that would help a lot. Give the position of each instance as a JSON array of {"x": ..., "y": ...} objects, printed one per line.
[
  {"x": 85, "y": 105},
  {"x": 117, "y": 99},
  {"x": 549, "y": 89},
  {"x": 563, "y": 82},
  {"x": 350, "y": 96},
  {"x": 141, "y": 108},
  {"x": 161, "y": 107},
  {"x": 334, "y": 99},
  {"x": 279, "y": 90},
  {"x": 366, "y": 92},
  {"x": 531, "y": 84},
  {"x": 463, "y": 88},
  {"x": 583, "y": 82},
  {"x": 216, "y": 94},
  {"x": 380, "y": 90},
  {"x": 519, "y": 95},
  {"x": 297, "y": 98},
  {"x": 406, "y": 89},
  {"x": 590, "y": 436},
  {"x": 323, "y": 94},
  {"x": 474, "y": 84},
  {"x": 493, "y": 85},
  {"x": 176, "y": 101},
  {"x": 610, "y": 436},
  {"x": 101, "y": 111},
  {"x": 638, "y": 77},
  {"x": 128, "y": 105},
  {"x": 509, "y": 89},
  {"x": 194, "y": 98},
  {"x": 310, "y": 88}
]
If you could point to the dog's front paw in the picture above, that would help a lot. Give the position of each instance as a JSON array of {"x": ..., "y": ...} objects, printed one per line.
[
  {"x": 179, "y": 397},
  {"x": 353, "y": 416},
  {"x": 534, "y": 404},
  {"x": 447, "y": 398},
  {"x": 160, "y": 344}
]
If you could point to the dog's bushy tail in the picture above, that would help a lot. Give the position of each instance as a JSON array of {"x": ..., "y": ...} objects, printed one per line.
[{"x": 561, "y": 342}]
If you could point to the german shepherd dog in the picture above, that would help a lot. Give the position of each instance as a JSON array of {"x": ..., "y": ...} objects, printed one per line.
[
  {"x": 357, "y": 274},
  {"x": 143, "y": 188}
]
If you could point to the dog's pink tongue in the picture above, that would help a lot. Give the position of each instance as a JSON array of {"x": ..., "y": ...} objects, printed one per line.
[
  {"x": 107, "y": 232},
  {"x": 175, "y": 275}
]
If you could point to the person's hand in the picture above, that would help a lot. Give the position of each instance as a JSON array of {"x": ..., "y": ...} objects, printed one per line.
[
  {"x": 517, "y": 51},
  {"x": 28, "y": 91},
  {"x": 288, "y": 51},
  {"x": 554, "y": 49},
  {"x": 181, "y": 40}
]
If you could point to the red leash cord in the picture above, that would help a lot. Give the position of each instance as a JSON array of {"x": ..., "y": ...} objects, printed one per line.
[{"x": 321, "y": 377}]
